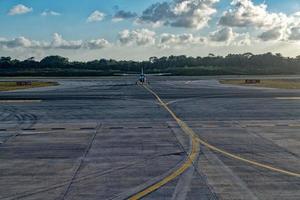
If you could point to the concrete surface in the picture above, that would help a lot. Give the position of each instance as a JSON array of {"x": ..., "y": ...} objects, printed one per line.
[{"x": 107, "y": 138}]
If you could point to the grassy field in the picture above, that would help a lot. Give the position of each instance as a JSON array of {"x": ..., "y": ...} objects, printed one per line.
[
  {"x": 11, "y": 85},
  {"x": 270, "y": 83}
]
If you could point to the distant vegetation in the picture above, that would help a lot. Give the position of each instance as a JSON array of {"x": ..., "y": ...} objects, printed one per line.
[
  {"x": 12, "y": 85},
  {"x": 269, "y": 83},
  {"x": 232, "y": 64}
]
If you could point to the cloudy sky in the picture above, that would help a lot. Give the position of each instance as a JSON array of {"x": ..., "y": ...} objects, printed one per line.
[{"x": 138, "y": 29}]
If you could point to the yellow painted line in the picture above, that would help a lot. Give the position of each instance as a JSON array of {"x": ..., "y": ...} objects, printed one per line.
[
  {"x": 188, "y": 163},
  {"x": 288, "y": 98},
  {"x": 193, "y": 155},
  {"x": 220, "y": 150},
  {"x": 191, "y": 158},
  {"x": 294, "y": 125},
  {"x": 20, "y": 101},
  {"x": 257, "y": 164}
]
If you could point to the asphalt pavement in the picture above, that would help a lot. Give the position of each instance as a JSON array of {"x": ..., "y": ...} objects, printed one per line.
[{"x": 109, "y": 138}]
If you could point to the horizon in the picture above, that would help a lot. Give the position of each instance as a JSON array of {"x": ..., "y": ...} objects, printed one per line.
[
  {"x": 83, "y": 32},
  {"x": 148, "y": 59}
]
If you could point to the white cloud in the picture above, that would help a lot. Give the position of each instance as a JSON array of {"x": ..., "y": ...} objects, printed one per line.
[
  {"x": 58, "y": 42},
  {"x": 272, "y": 34},
  {"x": 222, "y": 37},
  {"x": 122, "y": 15},
  {"x": 246, "y": 14},
  {"x": 181, "y": 13},
  {"x": 96, "y": 16},
  {"x": 97, "y": 44},
  {"x": 19, "y": 10},
  {"x": 50, "y": 13},
  {"x": 17, "y": 42},
  {"x": 168, "y": 40},
  {"x": 21, "y": 42},
  {"x": 272, "y": 26},
  {"x": 244, "y": 40},
  {"x": 224, "y": 34},
  {"x": 294, "y": 33},
  {"x": 294, "y": 27},
  {"x": 140, "y": 37}
]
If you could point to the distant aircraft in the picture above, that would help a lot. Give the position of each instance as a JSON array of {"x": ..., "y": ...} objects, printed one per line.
[{"x": 142, "y": 78}]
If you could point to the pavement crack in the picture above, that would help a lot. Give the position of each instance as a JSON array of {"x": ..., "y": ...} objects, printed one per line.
[{"x": 65, "y": 193}]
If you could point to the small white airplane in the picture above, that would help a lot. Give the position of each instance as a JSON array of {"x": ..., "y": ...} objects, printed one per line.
[{"x": 142, "y": 78}]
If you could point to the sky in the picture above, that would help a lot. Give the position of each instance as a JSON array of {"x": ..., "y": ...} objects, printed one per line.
[{"x": 139, "y": 29}]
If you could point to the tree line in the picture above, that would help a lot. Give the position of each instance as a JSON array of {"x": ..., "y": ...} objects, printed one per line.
[{"x": 232, "y": 64}]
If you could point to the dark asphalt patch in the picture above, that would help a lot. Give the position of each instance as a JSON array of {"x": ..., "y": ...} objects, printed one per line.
[
  {"x": 28, "y": 129},
  {"x": 87, "y": 128},
  {"x": 116, "y": 127},
  {"x": 58, "y": 129}
]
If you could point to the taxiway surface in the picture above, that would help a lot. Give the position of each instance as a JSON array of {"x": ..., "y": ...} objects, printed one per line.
[{"x": 108, "y": 138}]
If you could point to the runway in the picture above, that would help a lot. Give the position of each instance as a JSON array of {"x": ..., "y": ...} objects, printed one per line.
[{"x": 108, "y": 138}]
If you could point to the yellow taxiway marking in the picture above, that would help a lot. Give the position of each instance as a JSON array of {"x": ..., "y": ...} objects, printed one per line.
[
  {"x": 257, "y": 164},
  {"x": 20, "y": 101},
  {"x": 288, "y": 98},
  {"x": 194, "y": 152},
  {"x": 188, "y": 163},
  {"x": 294, "y": 125}
]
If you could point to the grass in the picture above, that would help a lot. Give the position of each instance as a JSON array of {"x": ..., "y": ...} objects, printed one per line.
[
  {"x": 268, "y": 83},
  {"x": 11, "y": 85}
]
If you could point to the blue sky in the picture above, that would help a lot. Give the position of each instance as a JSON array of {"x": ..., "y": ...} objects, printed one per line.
[
  {"x": 71, "y": 24},
  {"x": 73, "y": 18}
]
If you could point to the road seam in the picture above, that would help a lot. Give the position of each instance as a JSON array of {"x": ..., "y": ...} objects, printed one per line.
[
  {"x": 20, "y": 101},
  {"x": 64, "y": 194},
  {"x": 228, "y": 154},
  {"x": 192, "y": 156},
  {"x": 227, "y": 175},
  {"x": 196, "y": 140}
]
